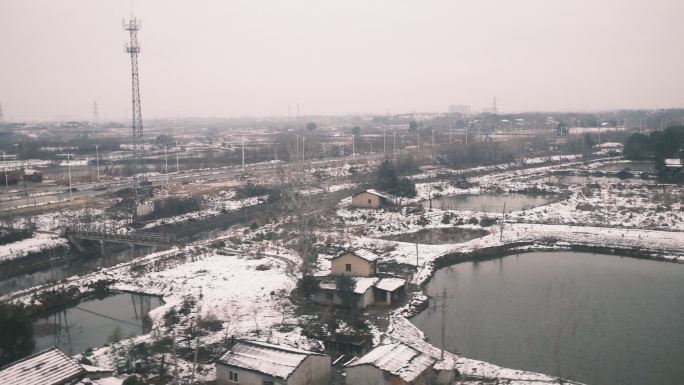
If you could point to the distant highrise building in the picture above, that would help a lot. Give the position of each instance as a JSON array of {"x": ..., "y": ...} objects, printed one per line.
[
  {"x": 495, "y": 110},
  {"x": 459, "y": 109}
]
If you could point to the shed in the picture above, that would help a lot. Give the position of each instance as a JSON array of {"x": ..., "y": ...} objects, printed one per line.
[
  {"x": 369, "y": 199},
  {"x": 363, "y": 294},
  {"x": 357, "y": 263},
  {"x": 48, "y": 367},
  {"x": 389, "y": 291},
  {"x": 395, "y": 364},
  {"x": 259, "y": 363},
  {"x": 673, "y": 165}
]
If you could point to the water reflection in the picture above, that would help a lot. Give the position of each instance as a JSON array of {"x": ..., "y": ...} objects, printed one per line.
[
  {"x": 596, "y": 319},
  {"x": 95, "y": 322}
]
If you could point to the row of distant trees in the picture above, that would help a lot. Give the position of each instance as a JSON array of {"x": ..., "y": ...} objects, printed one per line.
[{"x": 660, "y": 145}]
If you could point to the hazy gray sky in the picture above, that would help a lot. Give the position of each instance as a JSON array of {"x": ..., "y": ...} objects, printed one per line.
[{"x": 256, "y": 57}]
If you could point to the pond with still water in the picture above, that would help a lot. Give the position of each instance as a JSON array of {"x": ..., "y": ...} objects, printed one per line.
[
  {"x": 95, "y": 322},
  {"x": 596, "y": 319}
]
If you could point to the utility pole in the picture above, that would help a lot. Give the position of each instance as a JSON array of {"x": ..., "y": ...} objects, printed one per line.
[
  {"x": 353, "y": 149},
  {"x": 443, "y": 298},
  {"x": 166, "y": 167},
  {"x": 394, "y": 134},
  {"x": 69, "y": 168},
  {"x": 6, "y": 169},
  {"x": 417, "y": 256},
  {"x": 97, "y": 159},
  {"x": 503, "y": 217},
  {"x": 303, "y": 148},
  {"x": 384, "y": 139},
  {"x": 176, "y": 156}
]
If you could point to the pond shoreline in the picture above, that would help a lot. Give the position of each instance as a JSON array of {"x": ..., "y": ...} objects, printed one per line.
[{"x": 422, "y": 301}]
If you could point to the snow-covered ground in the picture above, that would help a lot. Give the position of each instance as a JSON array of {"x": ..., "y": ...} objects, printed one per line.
[{"x": 246, "y": 286}]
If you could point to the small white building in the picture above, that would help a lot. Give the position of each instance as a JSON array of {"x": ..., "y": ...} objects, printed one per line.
[
  {"x": 674, "y": 165},
  {"x": 369, "y": 199},
  {"x": 392, "y": 364},
  {"x": 259, "y": 363}
]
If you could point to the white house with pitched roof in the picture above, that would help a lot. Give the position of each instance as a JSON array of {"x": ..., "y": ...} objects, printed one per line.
[{"x": 259, "y": 363}]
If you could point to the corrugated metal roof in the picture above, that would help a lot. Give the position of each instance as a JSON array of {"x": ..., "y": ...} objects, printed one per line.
[
  {"x": 398, "y": 359},
  {"x": 272, "y": 360},
  {"x": 49, "y": 367}
]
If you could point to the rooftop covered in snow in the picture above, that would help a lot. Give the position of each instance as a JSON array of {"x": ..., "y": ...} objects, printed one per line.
[
  {"x": 673, "y": 162},
  {"x": 361, "y": 253},
  {"x": 49, "y": 367},
  {"x": 361, "y": 284},
  {"x": 397, "y": 359},
  {"x": 272, "y": 360}
]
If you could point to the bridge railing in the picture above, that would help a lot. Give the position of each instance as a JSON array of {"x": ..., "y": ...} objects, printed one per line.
[{"x": 134, "y": 237}]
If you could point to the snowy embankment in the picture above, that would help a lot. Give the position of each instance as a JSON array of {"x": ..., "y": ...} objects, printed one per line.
[
  {"x": 403, "y": 330},
  {"x": 38, "y": 242}
]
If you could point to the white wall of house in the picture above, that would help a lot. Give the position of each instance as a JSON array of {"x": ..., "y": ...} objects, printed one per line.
[
  {"x": 366, "y": 200},
  {"x": 244, "y": 377},
  {"x": 365, "y": 375},
  {"x": 315, "y": 370},
  {"x": 359, "y": 266},
  {"x": 363, "y": 301}
]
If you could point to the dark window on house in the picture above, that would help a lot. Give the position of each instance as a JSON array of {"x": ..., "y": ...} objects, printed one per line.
[
  {"x": 369, "y": 201},
  {"x": 268, "y": 382},
  {"x": 347, "y": 267},
  {"x": 329, "y": 296},
  {"x": 233, "y": 376}
]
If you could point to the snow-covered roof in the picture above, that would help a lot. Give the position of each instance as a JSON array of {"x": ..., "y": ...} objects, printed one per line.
[
  {"x": 390, "y": 284},
  {"x": 673, "y": 162},
  {"x": 272, "y": 360},
  {"x": 361, "y": 253},
  {"x": 49, "y": 367},
  {"x": 361, "y": 284},
  {"x": 397, "y": 359},
  {"x": 374, "y": 192}
]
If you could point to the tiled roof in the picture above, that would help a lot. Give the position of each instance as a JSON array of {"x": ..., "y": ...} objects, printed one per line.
[
  {"x": 49, "y": 367},
  {"x": 272, "y": 360},
  {"x": 397, "y": 359}
]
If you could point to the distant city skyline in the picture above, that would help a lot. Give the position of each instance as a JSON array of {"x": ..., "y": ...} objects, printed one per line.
[{"x": 242, "y": 58}]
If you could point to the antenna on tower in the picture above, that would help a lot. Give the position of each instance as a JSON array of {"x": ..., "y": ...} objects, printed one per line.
[
  {"x": 140, "y": 182},
  {"x": 494, "y": 109},
  {"x": 96, "y": 118}
]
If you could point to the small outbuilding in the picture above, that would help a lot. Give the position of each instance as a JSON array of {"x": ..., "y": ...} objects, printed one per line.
[
  {"x": 259, "y": 363},
  {"x": 50, "y": 367},
  {"x": 389, "y": 291},
  {"x": 392, "y": 364},
  {"x": 673, "y": 166},
  {"x": 355, "y": 263},
  {"x": 362, "y": 295},
  {"x": 369, "y": 199}
]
